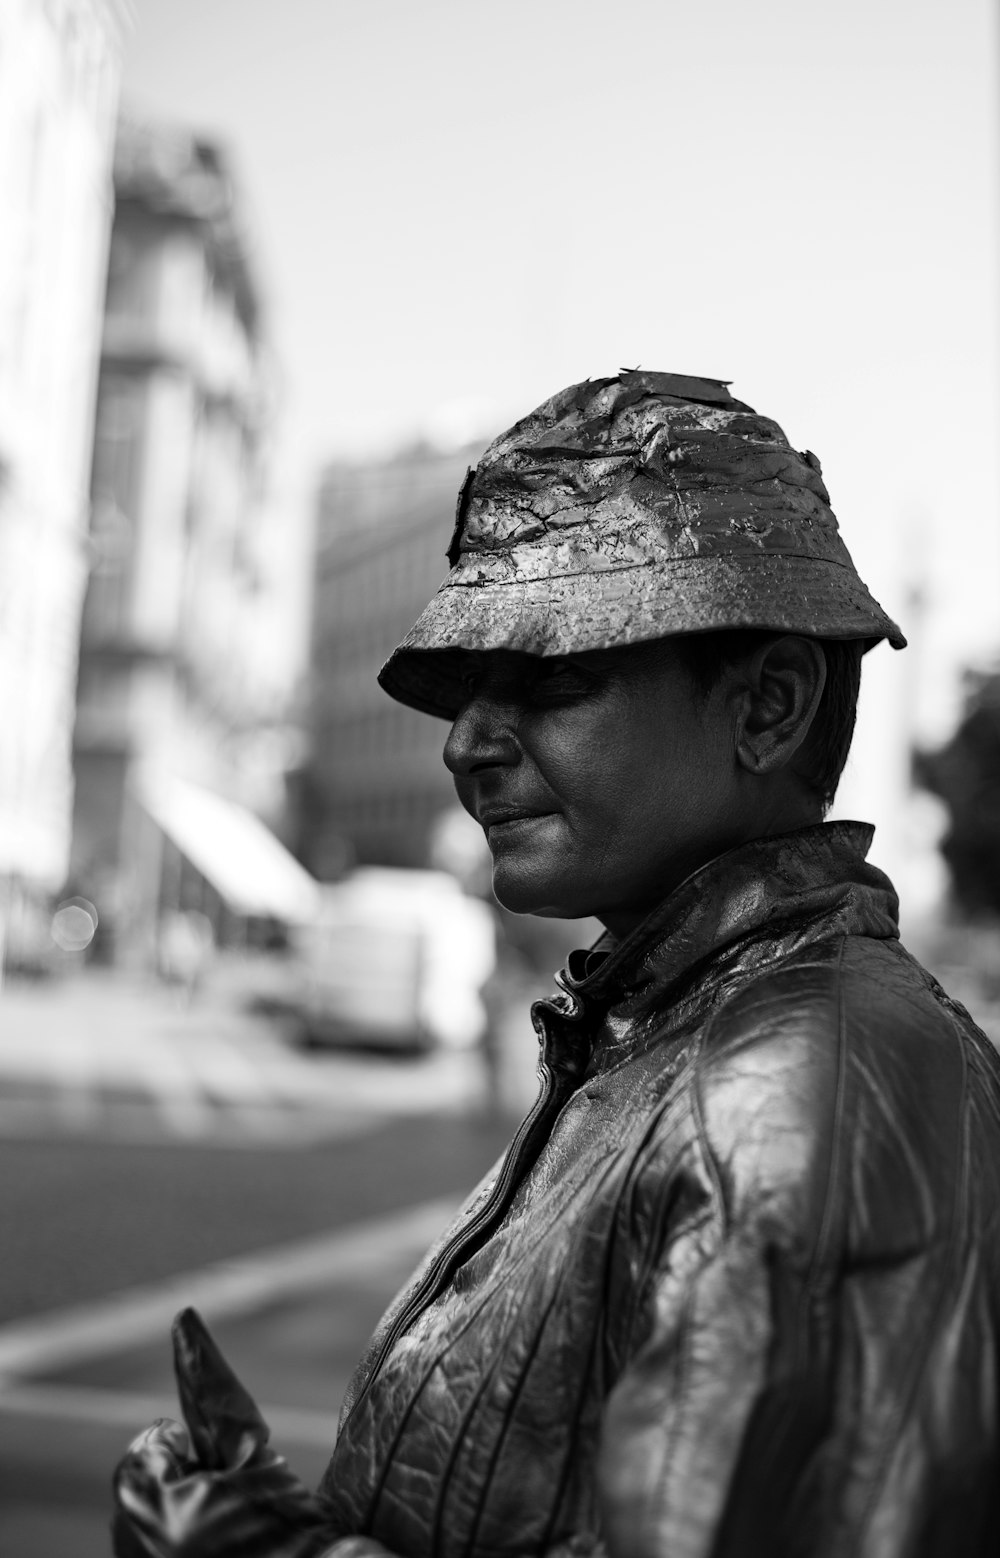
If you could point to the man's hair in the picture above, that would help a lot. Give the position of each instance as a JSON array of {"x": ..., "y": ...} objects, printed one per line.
[{"x": 820, "y": 761}]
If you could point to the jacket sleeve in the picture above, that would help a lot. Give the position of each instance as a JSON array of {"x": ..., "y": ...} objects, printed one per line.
[
  {"x": 709, "y": 1433},
  {"x": 712, "y": 1434},
  {"x": 806, "y": 1371}
]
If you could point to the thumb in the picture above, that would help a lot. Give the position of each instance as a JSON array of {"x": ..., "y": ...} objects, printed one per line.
[{"x": 223, "y": 1420}]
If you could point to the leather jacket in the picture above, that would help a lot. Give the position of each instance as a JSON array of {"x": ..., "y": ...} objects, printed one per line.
[{"x": 734, "y": 1289}]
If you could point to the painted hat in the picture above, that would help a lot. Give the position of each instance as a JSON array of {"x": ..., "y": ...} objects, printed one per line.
[{"x": 630, "y": 509}]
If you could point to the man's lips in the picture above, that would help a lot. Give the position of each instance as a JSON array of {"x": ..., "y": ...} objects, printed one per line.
[{"x": 497, "y": 816}]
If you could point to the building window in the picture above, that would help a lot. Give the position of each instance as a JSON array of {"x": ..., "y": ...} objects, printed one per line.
[
  {"x": 131, "y": 291},
  {"x": 114, "y": 487}
]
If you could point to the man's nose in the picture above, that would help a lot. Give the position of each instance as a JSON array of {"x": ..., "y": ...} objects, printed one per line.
[{"x": 484, "y": 735}]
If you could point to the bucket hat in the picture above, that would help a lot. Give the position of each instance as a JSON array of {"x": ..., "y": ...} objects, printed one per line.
[{"x": 630, "y": 509}]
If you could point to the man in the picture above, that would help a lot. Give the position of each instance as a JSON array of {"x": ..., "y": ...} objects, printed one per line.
[{"x": 734, "y": 1289}]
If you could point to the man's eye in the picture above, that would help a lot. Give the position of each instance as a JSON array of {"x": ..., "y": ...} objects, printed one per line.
[{"x": 560, "y": 681}]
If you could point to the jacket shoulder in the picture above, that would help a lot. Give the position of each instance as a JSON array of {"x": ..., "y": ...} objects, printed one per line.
[
  {"x": 832, "y": 1072},
  {"x": 849, "y": 1002}
]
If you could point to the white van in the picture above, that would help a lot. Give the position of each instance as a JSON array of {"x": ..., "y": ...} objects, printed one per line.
[{"x": 395, "y": 959}]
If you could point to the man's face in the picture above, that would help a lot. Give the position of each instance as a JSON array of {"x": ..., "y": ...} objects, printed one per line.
[{"x": 601, "y": 779}]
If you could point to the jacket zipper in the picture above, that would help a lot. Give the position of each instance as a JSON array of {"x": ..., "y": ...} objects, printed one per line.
[{"x": 548, "y": 1103}]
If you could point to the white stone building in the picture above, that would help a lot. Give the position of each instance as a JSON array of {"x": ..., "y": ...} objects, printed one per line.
[
  {"x": 59, "y": 75},
  {"x": 181, "y": 721}
]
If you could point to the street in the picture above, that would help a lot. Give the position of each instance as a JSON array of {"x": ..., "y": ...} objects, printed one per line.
[{"x": 153, "y": 1157}]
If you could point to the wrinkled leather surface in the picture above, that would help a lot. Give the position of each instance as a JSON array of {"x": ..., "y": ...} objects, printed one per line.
[{"x": 735, "y": 1289}]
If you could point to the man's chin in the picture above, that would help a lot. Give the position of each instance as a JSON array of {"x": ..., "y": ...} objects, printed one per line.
[{"x": 529, "y": 893}]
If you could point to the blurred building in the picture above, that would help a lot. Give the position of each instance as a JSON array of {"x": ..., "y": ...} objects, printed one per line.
[
  {"x": 59, "y": 75},
  {"x": 178, "y": 725},
  {"x": 375, "y": 782}
]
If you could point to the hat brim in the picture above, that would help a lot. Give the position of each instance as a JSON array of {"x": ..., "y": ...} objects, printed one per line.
[{"x": 571, "y": 613}]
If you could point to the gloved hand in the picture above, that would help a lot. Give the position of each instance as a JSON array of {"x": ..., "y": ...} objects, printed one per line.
[{"x": 217, "y": 1490}]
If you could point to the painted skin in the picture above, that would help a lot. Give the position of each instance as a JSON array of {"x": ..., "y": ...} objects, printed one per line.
[{"x": 603, "y": 779}]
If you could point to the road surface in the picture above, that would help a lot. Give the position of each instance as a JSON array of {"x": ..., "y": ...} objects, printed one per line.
[{"x": 152, "y": 1157}]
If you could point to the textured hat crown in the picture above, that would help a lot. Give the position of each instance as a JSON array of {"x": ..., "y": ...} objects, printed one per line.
[
  {"x": 646, "y": 466},
  {"x": 630, "y": 509}
]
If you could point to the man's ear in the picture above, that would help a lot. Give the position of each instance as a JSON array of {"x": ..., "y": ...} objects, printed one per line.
[{"x": 782, "y": 685}]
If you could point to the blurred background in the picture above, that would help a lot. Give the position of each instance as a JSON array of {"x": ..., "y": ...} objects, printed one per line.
[{"x": 271, "y": 277}]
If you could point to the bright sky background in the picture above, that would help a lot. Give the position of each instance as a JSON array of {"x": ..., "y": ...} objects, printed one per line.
[{"x": 460, "y": 206}]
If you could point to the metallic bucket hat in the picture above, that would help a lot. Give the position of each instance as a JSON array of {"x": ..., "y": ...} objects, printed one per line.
[{"x": 630, "y": 509}]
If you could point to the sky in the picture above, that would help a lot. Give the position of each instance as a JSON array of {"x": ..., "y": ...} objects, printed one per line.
[{"x": 458, "y": 206}]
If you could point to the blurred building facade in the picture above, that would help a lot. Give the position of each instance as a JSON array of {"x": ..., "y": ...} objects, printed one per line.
[
  {"x": 60, "y": 63},
  {"x": 171, "y": 691},
  {"x": 375, "y": 782}
]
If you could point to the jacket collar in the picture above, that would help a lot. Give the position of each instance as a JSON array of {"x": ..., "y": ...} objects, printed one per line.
[{"x": 750, "y": 906}]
